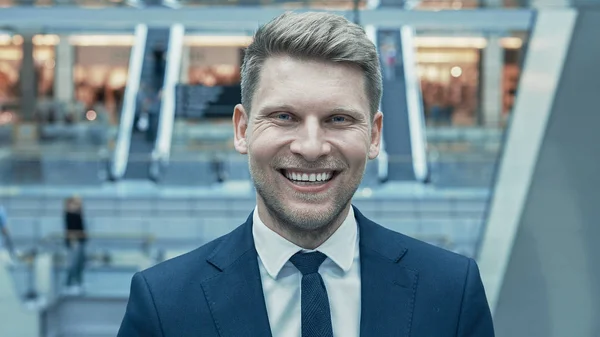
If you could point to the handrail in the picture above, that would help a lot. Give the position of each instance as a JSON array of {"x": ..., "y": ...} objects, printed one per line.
[
  {"x": 416, "y": 121},
  {"x": 162, "y": 146},
  {"x": 136, "y": 60},
  {"x": 58, "y": 237},
  {"x": 382, "y": 158}
]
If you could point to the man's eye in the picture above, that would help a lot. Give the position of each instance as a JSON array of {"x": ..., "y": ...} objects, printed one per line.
[
  {"x": 283, "y": 116},
  {"x": 339, "y": 119}
]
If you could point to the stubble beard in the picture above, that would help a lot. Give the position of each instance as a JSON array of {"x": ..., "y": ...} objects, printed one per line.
[{"x": 303, "y": 223}]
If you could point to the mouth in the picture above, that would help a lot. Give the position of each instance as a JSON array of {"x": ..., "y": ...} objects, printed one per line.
[{"x": 309, "y": 178}]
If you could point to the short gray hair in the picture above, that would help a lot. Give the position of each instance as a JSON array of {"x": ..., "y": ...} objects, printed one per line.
[{"x": 313, "y": 36}]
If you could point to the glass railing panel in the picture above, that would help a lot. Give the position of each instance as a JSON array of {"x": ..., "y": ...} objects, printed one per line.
[{"x": 64, "y": 151}]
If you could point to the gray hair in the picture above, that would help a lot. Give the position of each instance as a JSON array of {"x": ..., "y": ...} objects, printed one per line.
[{"x": 313, "y": 36}]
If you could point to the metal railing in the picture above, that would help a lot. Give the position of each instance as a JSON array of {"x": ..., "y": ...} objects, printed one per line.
[
  {"x": 162, "y": 147},
  {"x": 154, "y": 227},
  {"x": 138, "y": 223},
  {"x": 449, "y": 165},
  {"x": 121, "y": 153},
  {"x": 38, "y": 266}
]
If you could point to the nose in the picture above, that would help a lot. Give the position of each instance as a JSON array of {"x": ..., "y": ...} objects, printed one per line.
[{"x": 310, "y": 141}]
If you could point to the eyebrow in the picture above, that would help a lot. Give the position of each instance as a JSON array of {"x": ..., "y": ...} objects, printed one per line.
[
  {"x": 287, "y": 107},
  {"x": 277, "y": 107},
  {"x": 345, "y": 110}
]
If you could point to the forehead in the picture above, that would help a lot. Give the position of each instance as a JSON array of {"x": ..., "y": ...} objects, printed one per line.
[{"x": 310, "y": 84}]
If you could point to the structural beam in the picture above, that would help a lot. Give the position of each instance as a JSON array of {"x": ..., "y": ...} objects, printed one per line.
[
  {"x": 219, "y": 18},
  {"x": 539, "y": 258}
]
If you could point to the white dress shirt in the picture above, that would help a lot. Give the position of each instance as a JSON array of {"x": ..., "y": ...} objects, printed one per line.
[{"x": 281, "y": 281}]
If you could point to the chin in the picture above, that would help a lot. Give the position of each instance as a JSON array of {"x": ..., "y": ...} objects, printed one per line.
[{"x": 311, "y": 217}]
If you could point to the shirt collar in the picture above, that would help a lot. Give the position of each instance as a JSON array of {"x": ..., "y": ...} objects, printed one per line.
[{"x": 274, "y": 250}]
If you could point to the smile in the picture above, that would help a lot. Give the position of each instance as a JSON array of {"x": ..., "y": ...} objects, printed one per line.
[{"x": 308, "y": 178}]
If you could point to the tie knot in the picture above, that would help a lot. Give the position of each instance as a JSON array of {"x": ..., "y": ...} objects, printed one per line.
[{"x": 308, "y": 263}]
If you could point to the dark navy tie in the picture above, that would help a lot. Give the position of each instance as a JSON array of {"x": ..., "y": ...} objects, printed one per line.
[{"x": 316, "y": 316}]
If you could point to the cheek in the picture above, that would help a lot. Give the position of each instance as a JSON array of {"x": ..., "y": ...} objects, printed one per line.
[
  {"x": 264, "y": 146},
  {"x": 354, "y": 146}
]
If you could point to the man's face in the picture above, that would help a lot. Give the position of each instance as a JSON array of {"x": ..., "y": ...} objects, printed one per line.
[{"x": 308, "y": 139}]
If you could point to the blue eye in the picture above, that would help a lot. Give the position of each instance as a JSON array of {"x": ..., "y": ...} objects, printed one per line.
[
  {"x": 283, "y": 116},
  {"x": 338, "y": 119}
]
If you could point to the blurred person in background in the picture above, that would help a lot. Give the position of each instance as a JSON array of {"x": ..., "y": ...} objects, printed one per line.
[
  {"x": 143, "y": 99},
  {"x": 153, "y": 117},
  {"x": 75, "y": 239},
  {"x": 160, "y": 64},
  {"x": 6, "y": 233},
  {"x": 307, "y": 263}
]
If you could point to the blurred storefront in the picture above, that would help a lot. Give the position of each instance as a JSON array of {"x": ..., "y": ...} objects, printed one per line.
[
  {"x": 214, "y": 60},
  {"x": 454, "y": 71},
  {"x": 100, "y": 71},
  {"x": 11, "y": 54},
  {"x": 98, "y": 67},
  {"x": 455, "y": 75}
]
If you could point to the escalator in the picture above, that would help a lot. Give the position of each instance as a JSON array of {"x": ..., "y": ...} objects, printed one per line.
[{"x": 147, "y": 112}]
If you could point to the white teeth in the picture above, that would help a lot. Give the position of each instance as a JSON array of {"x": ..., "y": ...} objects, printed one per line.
[{"x": 312, "y": 177}]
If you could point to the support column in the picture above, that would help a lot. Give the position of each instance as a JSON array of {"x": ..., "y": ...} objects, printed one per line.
[
  {"x": 28, "y": 80},
  {"x": 491, "y": 92},
  {"x": 63, "y": 74},
  {"x": 539, "y": 257},
  {"x": 185, "y": 64}
]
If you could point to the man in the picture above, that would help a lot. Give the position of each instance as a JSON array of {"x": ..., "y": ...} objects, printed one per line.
[
  {"x": 306, "y": 263},
  {"x": 75, "y": 241}
]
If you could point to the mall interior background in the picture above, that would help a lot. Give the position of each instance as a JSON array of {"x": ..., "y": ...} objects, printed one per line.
[{"x": 475, "y": 94}]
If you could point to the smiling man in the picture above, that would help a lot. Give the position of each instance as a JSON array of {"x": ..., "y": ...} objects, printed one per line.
[{"x": 306, "y": 263}]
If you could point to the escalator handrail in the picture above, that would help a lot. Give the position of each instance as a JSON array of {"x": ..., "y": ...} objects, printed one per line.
[
  {"x": 162, "y": 146},
  {"x": 136, "y": 60}
]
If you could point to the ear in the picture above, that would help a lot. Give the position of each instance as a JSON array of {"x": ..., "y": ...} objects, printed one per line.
[
  {"x": 376, "y": 127},
  {"x": 240, "y": 125}
]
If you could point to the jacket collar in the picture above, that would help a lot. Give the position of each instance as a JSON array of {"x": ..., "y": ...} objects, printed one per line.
[{"x": 388, "y": 289}]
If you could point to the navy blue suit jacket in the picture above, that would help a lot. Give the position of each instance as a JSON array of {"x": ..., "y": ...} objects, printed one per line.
[{"x": 409, "y": 289}]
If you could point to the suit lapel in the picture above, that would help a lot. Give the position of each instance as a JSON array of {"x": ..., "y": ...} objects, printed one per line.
[
  {"x": 387, "y": 288},
  {"x": 235, "y": 295}
]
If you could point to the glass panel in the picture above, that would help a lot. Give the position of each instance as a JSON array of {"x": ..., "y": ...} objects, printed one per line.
[
  {"x": 450, "y": 83},
  {"x": 466, "y": 112},
  {"x": 451, "y": 70},
  {"x": 69, "y": 141},
  {"x": 100, "y": 74}
]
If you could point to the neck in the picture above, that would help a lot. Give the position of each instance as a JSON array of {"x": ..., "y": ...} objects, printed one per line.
[{"x": 307, "y": 239}]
